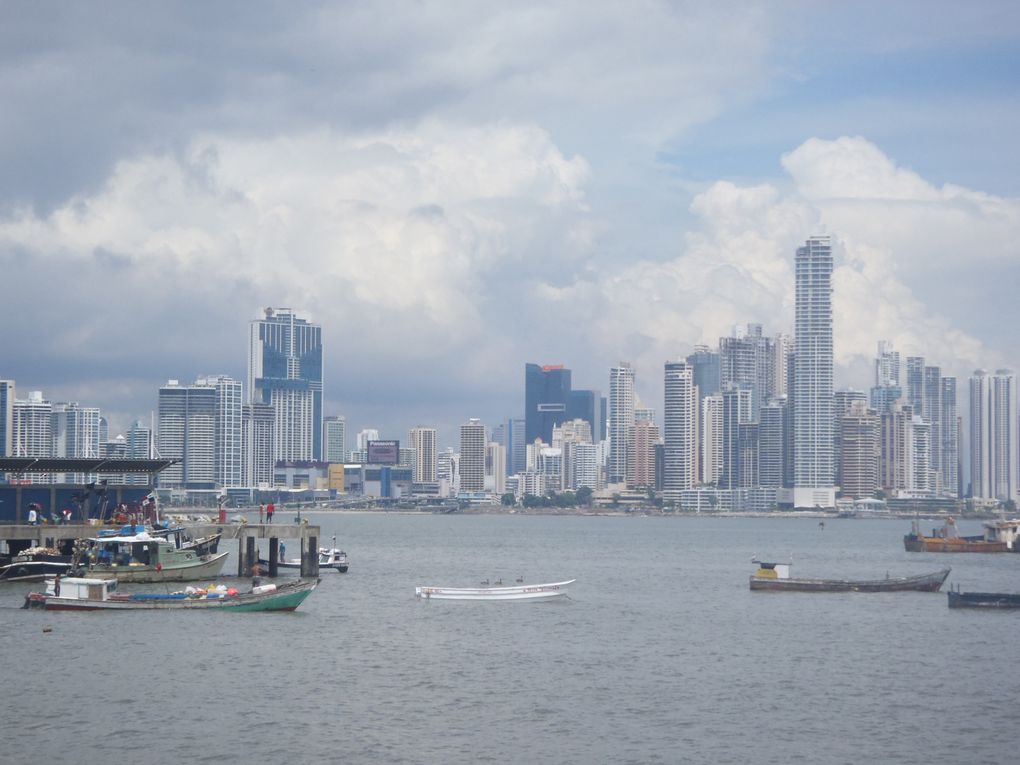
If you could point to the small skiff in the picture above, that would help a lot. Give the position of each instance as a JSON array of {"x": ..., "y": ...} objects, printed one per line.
[
  {"x": 959, "y": 599},
  {"x": 516, "y": 592}
]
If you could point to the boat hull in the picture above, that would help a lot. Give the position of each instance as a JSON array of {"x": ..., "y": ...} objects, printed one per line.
[
  {"x": 34, "y": 570},
  {"x": 286, "y": 597},
  {"x": 983, "y": 599},
  {"x": 208, "y": 568},
  {"x": 521, "y": 592},
  {"x": 924, "y": 583},
  {"x": 912, "y": 543}
]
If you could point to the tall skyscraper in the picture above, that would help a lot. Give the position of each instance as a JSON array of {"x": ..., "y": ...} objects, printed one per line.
[
  {"x": 187, "y": 431},
  {"x": 546, "y": 399},
  {"x": 915, "y": 382},
  {"x": 681, "y": 428},
  {"x": 641, "y": 457},
  {"x": 257, "y": 422},
  {"x": 621, "y": 419},
  {"x": 857, "y": 470},
  {"x": 949, "y": 459},
  {"x": 705, "y": 364},
  {"x": 887, "y": 365},
  {"x": 472, "y": 456},
  {"x": 994, "y": 461},
  {"x": 711, "y": 439},
  {"x": 228, "y": 430},
  {"x": 813, "y": 383},
  {"x": 516, "y": 445},
  {"x": 75, "y": 431},
  {"x": 424, "y": 442},
  {"x": 285, "y": 371},
  {"x": 771, "y": 443},
  {"x": 32, "y": 431},
  {"x": 737, "y": 408},
  {"x": 334, "y": 439},
  {"x": 6, "y": 418}
]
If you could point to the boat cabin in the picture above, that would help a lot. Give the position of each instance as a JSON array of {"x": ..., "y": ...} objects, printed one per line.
[
  {"x": 772, "y": 570},
  {"x": 1004, "y": 531},
  {"x": 75, "y": 588}
]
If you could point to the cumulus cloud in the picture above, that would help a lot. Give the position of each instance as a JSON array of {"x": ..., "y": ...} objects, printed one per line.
[{"x": 891, "y": 228}]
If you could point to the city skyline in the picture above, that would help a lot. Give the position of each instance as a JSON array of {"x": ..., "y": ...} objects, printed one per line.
[{"x": 584, "y": 195}]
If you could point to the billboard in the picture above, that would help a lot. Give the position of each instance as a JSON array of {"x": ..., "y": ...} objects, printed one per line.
[{"x": 383, "y": 453}]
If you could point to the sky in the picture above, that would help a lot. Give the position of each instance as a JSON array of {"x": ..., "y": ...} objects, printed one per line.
[{"x": 454, "y": 189}]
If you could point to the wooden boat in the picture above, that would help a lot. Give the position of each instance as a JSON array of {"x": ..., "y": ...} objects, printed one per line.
[
  {"x": 776, "y": 576},
  {"x": 516, "y": 592},
  {"x": 84, "y": 594},
  {"x": 329, "y": 557},
  {"x": 35, "y": 564},
  {"x": 959, "y": 599},
  {"x": 144, "y": 558},
  {"x": 999, "y": 537}
]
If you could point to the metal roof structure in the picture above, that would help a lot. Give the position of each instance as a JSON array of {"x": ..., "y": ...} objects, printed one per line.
[{"x": 82, "y": 465}]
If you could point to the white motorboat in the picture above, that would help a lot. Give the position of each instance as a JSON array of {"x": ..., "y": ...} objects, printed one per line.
[
  {"x": 329, "y": 557},
  {"x": 485, "y": 592}
]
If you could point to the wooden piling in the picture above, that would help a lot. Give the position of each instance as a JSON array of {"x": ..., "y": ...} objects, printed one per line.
[{"x": 274, "y": 554}]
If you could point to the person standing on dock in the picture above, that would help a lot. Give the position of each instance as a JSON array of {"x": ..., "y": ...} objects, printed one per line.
[
  {"x": 262, "y": 511},
  {"x": 270, "y": 509},
  {"x": 33, "y": 517}
]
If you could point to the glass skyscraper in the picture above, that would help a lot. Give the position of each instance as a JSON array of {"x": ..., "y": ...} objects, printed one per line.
[{"x": 285, "y": 372}]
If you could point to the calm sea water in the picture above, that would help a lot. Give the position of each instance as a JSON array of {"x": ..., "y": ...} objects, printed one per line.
[{"x": 661, "y": 654}]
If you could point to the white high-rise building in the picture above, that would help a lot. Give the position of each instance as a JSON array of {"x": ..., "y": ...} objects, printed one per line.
[
  {"x": 621, "y": 419},
  {"x": 424, "y": 442},
  {"x": 334, "y": 439},
  {"x": 887, "y": 366},
  {"x": 257, "y": 422},
  {"x": 711, "y": 438},
  {"x": 75, "y": 433},
  {"x": 201, "y": 425},
  {"x": 32, "y": 431},
  {"x": 994, "y": 461},
  {"x": 813, "y": 464},
  {"x": 6, "y": 418},
  {"x": 472, "y": 456},
  {"x": 495, "y": 468},
  {"x": 364, "y": 436},
  {"x": 681, "y": 428}
]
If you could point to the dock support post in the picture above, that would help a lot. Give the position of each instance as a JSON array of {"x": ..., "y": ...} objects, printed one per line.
[
  {"x": 309, "y": 557},
  {"x": 274, "y": 553},
  {"x": 251, "y": 555}
]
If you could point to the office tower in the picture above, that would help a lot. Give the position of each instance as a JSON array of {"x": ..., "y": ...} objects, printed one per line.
[
  {"x": 285, "y": 371},
  {"x": 334, "y": 439},
  {"x": 546, "y": 398},
  {"x": 643, "y": 437},
  {"x": 711, "y": 445},
  {"x": 812, "y": 385},
  {"x": 472, "y": 456},
  {"x": 771, "y": 443},
  {"x": 788, "y": 452},
  {"x": 257, "y": 423},
  {"x": 75, "y": 431},
  {"x": 424, "y": 442},
  {"x": 621, "y": 419},
  {"x": 737, "y": 403},
  {"x": 681, "y": 428},
  {"x": 857, "y": 470},
  {"x": 515, "y": 445},
  {"x": 993, "y": 439},
  {"x": 922, "y": 480},
  {"x": 705, "y": 365},
  {"x": 446, "y": 466},
  {"x": 187, "y": 431},
  {"x": 884, "y": 397},
  {"x": 495, "y": 468},
  {"x": 949, "y": 446},
  {"x": 6, "y": 418}
]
